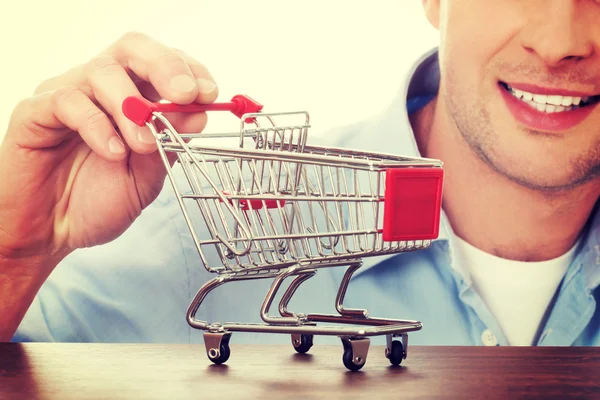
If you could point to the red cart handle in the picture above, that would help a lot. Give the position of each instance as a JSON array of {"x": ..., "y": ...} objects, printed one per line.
[{"x": 139, "y": 110}]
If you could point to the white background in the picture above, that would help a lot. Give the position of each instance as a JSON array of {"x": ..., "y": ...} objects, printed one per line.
[{"x": 339, "y": 60}]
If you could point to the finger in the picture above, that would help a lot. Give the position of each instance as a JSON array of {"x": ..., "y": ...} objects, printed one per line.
[
  {"x": 158, "y": 64},
  {"x": 111, "y": 85},
  {"x": 148, "y": 91},
  {"x": 40, "y": 121},
  {"x": 208, "y": 91}
]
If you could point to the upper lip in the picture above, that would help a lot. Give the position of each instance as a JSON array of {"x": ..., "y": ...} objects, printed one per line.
[{"x": 549, "y": 91}]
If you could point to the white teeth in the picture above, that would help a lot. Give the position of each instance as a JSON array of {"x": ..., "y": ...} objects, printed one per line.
[
  {"x": 553, "y": 109},
  {"x": 548, "y": 103},
  {"x": 567, "y": 101},
  {"x": 556, "y": 100}
]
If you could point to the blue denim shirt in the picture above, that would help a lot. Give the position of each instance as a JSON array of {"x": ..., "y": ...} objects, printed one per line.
[{"x": 138, "y": 287}]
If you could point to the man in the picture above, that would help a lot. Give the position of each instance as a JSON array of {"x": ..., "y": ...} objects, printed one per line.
[{"x": 509, "y": 104}]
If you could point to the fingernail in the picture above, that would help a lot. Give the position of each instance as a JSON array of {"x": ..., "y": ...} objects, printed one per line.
[
  {"x": 205, "y": 85},
  {"x": 182, "y": 83},
  {"x": 115, "y": 145},
  {"x": 145, "y": 136}
]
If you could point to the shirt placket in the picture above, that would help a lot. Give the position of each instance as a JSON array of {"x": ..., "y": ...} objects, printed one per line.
[{"x": 484, "y": 328}]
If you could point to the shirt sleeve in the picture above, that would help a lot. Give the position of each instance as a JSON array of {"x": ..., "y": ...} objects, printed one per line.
[{"x": 125, "y": 291}]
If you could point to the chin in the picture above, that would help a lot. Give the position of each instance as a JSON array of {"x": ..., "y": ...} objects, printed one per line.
[
  {"x": 546, "y": 175},
  {"x": 544, "y": 162}
]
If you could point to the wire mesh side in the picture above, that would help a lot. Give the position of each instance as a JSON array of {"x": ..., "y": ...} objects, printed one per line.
[
  {"x": 264, "y": 210},
  {"x": 270, "y": 133},
  {"x": 292, "y": 212}
]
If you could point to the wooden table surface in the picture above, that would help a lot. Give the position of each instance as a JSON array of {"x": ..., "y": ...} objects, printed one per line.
[{"x": 141, "y": 371}]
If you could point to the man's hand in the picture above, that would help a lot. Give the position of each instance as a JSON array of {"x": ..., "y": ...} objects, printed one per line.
[{"x": 75, "y": 171}]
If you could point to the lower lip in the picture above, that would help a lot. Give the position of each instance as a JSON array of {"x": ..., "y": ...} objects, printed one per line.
[{"x": 542, "y": 121}]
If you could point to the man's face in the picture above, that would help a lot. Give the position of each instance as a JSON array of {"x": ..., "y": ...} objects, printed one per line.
[{"x": 521, "y": 80}]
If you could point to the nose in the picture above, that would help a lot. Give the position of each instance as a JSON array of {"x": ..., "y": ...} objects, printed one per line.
[{"x": 559, "y": 32}]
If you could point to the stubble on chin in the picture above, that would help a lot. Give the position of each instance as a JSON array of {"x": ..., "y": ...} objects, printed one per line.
[{"x": 473, "y": 121}]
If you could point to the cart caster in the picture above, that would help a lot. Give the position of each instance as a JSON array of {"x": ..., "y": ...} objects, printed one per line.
[
  {"x": 217, "y": 347},
  {"x": 396, "y": 353},
  {"x": 302, "y": 343},
  {"x": 355, "y": 353}
]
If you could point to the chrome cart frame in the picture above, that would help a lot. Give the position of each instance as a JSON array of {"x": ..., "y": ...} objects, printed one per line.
[{"x": 274, "y": 207}]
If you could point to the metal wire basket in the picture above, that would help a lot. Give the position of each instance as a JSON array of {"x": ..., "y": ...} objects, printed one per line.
[{"x": 272, "y": 207}]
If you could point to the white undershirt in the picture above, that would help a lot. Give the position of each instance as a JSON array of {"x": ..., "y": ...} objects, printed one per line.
[{"x": 517, "y": 293}]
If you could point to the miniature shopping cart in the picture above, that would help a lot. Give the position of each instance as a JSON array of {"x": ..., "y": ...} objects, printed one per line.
[{"x": 275, "y": 207}]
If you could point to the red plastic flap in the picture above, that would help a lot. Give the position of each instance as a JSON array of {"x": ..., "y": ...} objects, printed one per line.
[{"x": 412, "y": 203}]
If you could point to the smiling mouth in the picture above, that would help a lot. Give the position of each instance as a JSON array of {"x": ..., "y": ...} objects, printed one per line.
[{"x": 550, "y": 103}]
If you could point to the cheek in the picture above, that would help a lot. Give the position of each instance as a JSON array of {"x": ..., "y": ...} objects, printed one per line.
[{"x": 474, "y": 43}]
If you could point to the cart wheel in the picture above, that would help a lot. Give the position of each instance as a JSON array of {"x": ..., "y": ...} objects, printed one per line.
[
  {"x": 303, "y": 344},
  {"x": 396, "y": 355},
  {"x": 355, "y": 352},
  {"x": 222, "y": 342},
  {"x": 349, "y": 362},
  {"x": 225, "y": 352}
]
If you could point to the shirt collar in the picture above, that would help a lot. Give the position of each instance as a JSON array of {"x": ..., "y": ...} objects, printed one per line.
[
  {"x": 391, "y": 132},
  {"x": 588, "y": 258}
]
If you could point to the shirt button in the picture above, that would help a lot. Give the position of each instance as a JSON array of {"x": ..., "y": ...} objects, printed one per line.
[{"x": 488, "y": 338}]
